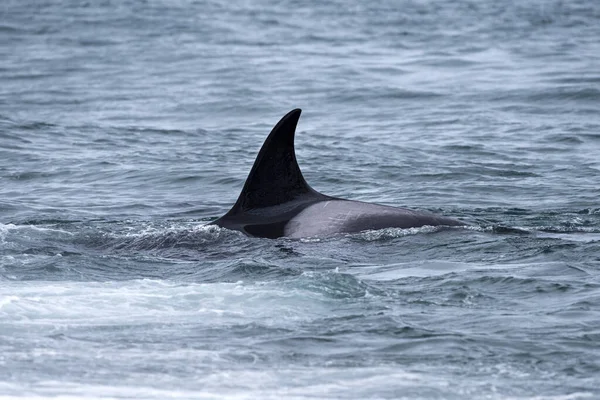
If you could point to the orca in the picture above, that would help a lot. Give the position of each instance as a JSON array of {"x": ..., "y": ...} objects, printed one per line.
[{"x": 277, "y": 202}]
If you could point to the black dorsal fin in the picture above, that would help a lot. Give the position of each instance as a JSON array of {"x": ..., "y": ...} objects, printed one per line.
[{"x": 275, "y": 177}]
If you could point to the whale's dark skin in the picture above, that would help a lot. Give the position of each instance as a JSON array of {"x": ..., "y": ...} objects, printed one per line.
[{"x": 277, "y": 202}]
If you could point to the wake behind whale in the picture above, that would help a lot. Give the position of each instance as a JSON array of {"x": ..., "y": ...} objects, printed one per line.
[{"x": 277, "y": 202}]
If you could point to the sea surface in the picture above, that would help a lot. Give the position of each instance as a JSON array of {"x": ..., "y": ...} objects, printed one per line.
[{"x": 127, "y": 126}]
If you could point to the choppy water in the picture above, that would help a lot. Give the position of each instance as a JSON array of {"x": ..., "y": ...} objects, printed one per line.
[{"x": 126, "y": 126}]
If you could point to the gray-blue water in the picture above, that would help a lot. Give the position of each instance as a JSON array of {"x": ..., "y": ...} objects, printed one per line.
[{"x": 126, "y": 126}]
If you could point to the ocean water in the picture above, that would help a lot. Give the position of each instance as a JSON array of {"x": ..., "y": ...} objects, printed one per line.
[{"x": 127, "y": 126}]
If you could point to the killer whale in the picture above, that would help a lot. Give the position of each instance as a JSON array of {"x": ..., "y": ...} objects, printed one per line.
[{"x": 277, "y": 202}]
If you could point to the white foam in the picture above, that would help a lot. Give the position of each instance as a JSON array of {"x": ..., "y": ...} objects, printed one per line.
[
  {"x": 295, "y": 383},
  {"x": 391, "y": 233},
  {"x": 145, "y": 301}
]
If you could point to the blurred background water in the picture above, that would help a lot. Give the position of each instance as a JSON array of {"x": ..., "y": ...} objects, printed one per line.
[{"x": 126, "y": 126}]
